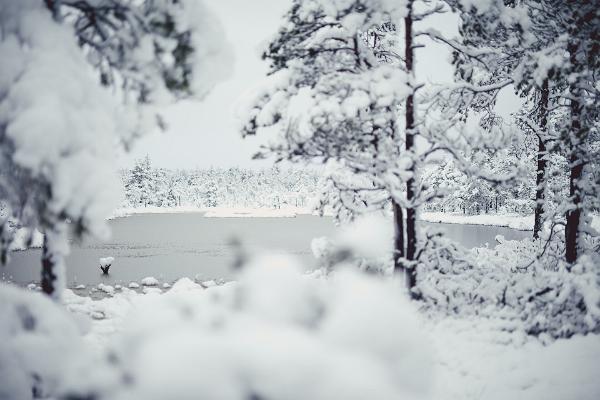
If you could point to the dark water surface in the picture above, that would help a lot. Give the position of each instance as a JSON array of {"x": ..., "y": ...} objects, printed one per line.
[{"x": 171, "y": 246}]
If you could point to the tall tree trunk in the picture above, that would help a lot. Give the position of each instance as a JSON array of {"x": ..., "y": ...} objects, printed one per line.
[
  {"x": 540, "y": 179},
  {"x": 398, "y": 237},
  {"x": 48, "y": 275},
  {"x": 574, "y": 214},
  {"x": 411, "y": 215},
  {"x": 576, "y": 168},
  {"x": 53, "y": 264}
]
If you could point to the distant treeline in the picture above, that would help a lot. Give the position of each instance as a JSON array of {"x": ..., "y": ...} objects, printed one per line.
[
  {"x": 275, "y": 187},
  {"x": 146, "y": 185}
]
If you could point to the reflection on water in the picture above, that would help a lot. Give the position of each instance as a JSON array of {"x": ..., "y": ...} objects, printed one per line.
[{"x": 171, "y": 246}]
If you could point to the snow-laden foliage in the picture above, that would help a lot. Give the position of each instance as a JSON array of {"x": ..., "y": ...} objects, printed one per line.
[
  {"x": 472, "y": 195},
  {"x": 525, "y": 286},
  {"x": 58, "y": 126},
  {"x": 333, "y": 93},
  {"x": 275, "y": 187},
  {"x": 78, "y": 81},
  {"x": 37, "y": 340},
  {"x": 546, "y": 51},
  {"x": 275, "y": 334},
  {"x": 542, "y": 297}
]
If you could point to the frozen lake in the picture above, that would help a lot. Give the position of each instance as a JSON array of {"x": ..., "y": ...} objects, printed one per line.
[{"x": 171, "y": 246}]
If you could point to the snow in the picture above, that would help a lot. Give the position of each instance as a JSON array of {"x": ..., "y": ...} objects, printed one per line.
[
  {"x": 268, "y": 323},
  {"x": 108, "y": 289},
  {"x": 369, "y": 236},
  {"x": 128, "y": 211},
  {"x": 519, "y": 222},
  {"x": 212, "y": 57},
  {"x": 475, "y": 360},
  {"x": 37, "y": 338},
  {"x": 150, "y": 281},
  {"x": 472, "y": 358},
  {"x": 348, "y": 335},
  {"x": 208, "y": 284},
  {"x": 74, "y": 154},
  {"x": 106, "y": 261},
  {"x": 151, "y": 290},
  {"x": 25, "y": 235},
  {"x": 133, "y": 285}
]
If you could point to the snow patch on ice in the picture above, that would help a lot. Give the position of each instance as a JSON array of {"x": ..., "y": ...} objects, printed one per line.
[{"x": 519, "y": 222}]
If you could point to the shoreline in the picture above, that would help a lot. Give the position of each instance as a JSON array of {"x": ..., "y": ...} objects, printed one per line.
[{"x": 512, "y": 221}]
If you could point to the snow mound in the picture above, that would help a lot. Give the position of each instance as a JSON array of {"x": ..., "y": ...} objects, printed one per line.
[
  {"x": 106, "y": 261},
  {"x": 351, "y": 337},
  {"x": 150, "y": 281},
  {"x": 106, "y": 288}
]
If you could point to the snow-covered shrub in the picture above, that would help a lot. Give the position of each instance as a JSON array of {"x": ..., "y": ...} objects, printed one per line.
[
  {"x": 37, "y": 340},
  {"x": 276, "y": 333},
  {"x": 505, "y": 282},
  {"x": 364, "y": 243},
  {"x": 519, "y": 206}
]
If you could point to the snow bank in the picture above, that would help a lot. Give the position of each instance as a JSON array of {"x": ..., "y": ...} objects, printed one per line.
[
  {"x": 476, "y": 360},
  {"x": 150, "y": 281},
  {"x": 127, "y": 211},
  {"x": 37, "y": 340},
  {"x": 273, "y": 334},
  {"x": 523, "y": 223},
  {"x": 275, "y": 322}
]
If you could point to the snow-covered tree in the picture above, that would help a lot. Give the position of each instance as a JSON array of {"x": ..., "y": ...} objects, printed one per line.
[
  {"x": 77, "y": 79},
  {"x": 547, "y": 50},
  {"x": 343, "y": 88}
]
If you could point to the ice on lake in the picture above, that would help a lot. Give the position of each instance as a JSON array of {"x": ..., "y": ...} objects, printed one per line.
[{"x": 171, "y": 246}]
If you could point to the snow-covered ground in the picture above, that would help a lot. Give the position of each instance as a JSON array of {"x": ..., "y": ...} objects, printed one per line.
[
  {"x": 473, "y": 358},
  {"x": 476, "y": 360},
  {"x": 513, "y": 221}
]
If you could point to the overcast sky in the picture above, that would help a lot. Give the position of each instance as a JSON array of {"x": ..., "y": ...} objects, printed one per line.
[{"x": 204, "y": 133}]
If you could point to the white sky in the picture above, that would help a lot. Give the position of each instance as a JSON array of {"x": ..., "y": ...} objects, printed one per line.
[{"x": 204, "y": 133}]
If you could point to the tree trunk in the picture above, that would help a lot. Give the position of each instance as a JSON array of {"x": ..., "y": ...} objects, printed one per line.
[
  {"x": 48, "y": 275},
  {"x": 541, "y": 161},
  {"x": 53, "y": 267},
  {"x": 411, "y": 215},
  {"x": 576, "y": 169},
  {"x": 398, "y": 237},
  {"x": 54, "y": 7}
]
